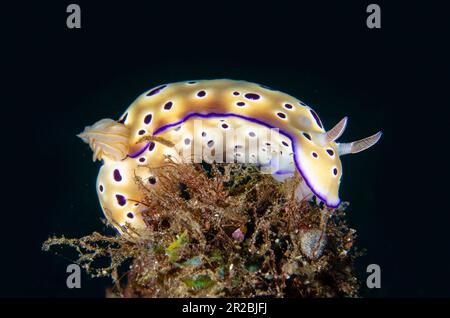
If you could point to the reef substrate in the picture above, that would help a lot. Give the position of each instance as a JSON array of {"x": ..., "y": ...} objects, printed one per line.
[{"x": 224, "y": 230}]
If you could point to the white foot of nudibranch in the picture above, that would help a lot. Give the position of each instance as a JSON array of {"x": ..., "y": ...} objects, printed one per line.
[
  {"x": 107, "y": 138},
  {"x": 303, "y": 192}
]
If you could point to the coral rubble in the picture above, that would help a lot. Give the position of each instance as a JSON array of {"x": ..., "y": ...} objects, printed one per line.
[{"x": 225, "y": 230}]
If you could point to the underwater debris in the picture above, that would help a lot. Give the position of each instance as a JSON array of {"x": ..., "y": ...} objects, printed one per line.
[
  {"x": 224, "y": 230},
  {"x": 312, "y": 243}
]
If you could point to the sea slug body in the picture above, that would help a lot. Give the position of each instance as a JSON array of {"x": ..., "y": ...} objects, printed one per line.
[{"x": 215, "y": 121}]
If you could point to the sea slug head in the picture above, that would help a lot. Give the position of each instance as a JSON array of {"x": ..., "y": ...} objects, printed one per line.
[{"x": 318, "y": 156}]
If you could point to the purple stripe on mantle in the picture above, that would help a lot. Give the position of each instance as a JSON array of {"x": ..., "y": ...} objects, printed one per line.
[{"x": 257, "y": 121}]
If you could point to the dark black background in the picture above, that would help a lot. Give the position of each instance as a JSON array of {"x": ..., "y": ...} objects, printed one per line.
[{"x": 60, "y": 80}]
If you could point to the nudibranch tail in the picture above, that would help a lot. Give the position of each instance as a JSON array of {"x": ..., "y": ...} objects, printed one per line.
[
  {"x": 360, "y": 145},
  {"x": 107, "y": 138}
]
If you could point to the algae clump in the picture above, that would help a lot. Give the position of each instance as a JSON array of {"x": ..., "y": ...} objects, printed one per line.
[{"x": 225, "y": 230}]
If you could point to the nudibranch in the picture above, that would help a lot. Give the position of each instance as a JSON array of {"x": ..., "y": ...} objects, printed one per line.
[{"x": 215, "y": 121}]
